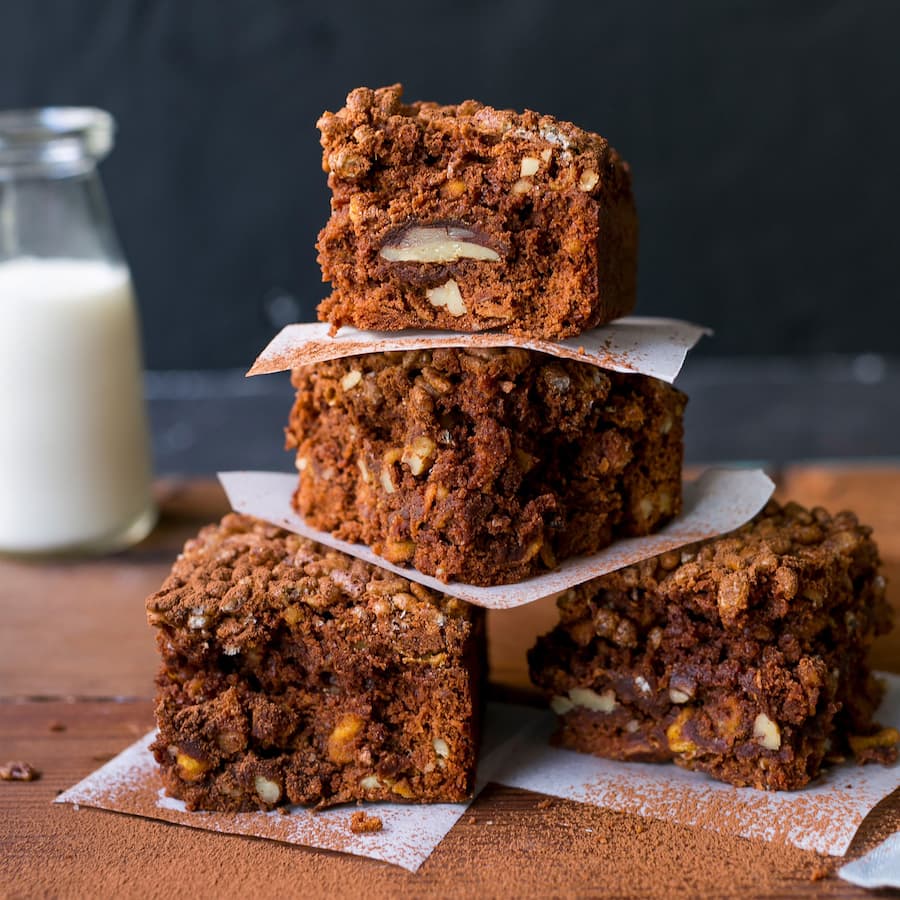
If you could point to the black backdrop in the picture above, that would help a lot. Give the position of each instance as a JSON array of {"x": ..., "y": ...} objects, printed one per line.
[{"x": 763, "y": 136}]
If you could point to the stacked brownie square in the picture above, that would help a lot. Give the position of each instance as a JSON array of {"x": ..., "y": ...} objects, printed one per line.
[
  {"x": 296, "y": 674},
  {"x": 745, "y": 656}
]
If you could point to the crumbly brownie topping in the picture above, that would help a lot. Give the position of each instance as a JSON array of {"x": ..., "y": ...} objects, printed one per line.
[
  {"x": 376, "y": 132},
  {"x": 238, "y": 582}
]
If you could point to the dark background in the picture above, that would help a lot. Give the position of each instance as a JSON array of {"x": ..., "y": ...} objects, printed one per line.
[{"x": 763, "y": 136}]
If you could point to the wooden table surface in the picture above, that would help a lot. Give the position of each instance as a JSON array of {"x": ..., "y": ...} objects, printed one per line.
[{"x": 76, "y": 672}]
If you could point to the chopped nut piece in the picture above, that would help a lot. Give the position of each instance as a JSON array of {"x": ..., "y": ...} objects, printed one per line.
[
  {"x": 678, "y": 743},
  {"x": 588, "y": 181},
  {"x": 402, "y": 789},
  {"x": 767, "y": 733},
  {"x": 677, "y": 696},
  {"x": 398, "y": 551},
  {"x": 454, "y": 189},
  {"x": 447, "y": 295},
  {"x": 342, "y": 740},
  {"x": 268, "y": 790},
  {"x": 436, "y": 244},
  {"x": 522, "y": 186},
  {"x": 190, "y": 768},
  {"x": 348, "y": 165},
  {"x": 361, "y": 823},
  {"x": 370, "y": 783},
  {"x": 351, "y": 379},
  {"x": 419, "y": 455},
  {"x": 530, "y": 165},
  {"x": 19, "y": 771},
  {"x": 441, "y": 747},
  {"x": 605, "y": 702}
]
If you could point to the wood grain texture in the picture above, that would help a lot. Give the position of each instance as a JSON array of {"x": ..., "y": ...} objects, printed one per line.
[{"x": 77, "y": 630}]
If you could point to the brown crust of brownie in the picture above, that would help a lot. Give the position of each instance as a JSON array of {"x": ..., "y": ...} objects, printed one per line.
[
  {"x": 554, "y": 201},
  {"x": 292, "y": 673},
  {"x": 486, "y": 466},
  {"x": 744, "y": 657}
]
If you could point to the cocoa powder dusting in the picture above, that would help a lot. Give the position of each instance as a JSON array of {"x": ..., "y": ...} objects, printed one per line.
[{"x": 511, "y": 844}]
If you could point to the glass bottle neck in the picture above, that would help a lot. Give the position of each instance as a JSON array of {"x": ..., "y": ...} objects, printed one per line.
[{"x": 57, "y": 214}]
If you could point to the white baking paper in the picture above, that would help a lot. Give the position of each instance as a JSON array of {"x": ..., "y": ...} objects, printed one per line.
[
  {"x": 879, "y": 868},
  {"x": 719, "y": 501},
  {"x": 823, "y": 816},
  {"x": 130, "y": 783},
  {"x": 648, "y": 346}
]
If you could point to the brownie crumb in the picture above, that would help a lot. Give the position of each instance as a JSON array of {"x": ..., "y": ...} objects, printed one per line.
[
  {"x": 19, "y": 771},
  {"x": 361, "y": 823}
]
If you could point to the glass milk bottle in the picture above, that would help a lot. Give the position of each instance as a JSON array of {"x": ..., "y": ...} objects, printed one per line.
[{"x": 75, "y": 473}]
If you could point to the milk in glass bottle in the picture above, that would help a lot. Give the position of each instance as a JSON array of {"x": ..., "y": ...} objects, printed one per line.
[{"x": 74, "y": 458}]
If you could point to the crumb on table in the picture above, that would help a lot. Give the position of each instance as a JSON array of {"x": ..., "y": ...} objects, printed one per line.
[
  {"x": 19, "y": 771},
  {"x": 362, "y": 823}
]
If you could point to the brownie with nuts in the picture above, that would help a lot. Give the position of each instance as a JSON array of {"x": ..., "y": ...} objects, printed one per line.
[
  {"x": 744, "y": 657},
  {"x": 295, "y": 674},
  {"x": 468, "y": 218},
  {"x": 485, "y": 466}
]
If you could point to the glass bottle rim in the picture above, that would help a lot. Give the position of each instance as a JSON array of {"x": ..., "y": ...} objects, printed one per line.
[{"x": 54, "y": 139}]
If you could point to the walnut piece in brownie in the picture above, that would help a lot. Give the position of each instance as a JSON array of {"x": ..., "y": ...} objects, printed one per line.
[
  {"x": 485, "y": 466},
  {"x": 295, "y": 674},
  {"x": 744, "y": 656},
  {"x": 466, "y": 218}
]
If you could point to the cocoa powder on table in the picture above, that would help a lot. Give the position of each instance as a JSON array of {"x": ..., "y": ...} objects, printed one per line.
[{"x": 509, "y": 844}]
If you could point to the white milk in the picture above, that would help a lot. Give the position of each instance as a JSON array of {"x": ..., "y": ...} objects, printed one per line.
[{"x": 74, "y": 457}]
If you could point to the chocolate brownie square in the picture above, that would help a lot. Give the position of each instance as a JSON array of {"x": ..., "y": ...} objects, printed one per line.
[
  {"x": 295, "y": 674},
  {"x": 744, "y": 656},
  {"x": 467, "y": 218},
  {"x": 486, "y": 466}
]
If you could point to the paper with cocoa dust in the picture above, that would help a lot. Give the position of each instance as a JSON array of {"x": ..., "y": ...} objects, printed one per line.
[
  {"x": 717, "y": 502},
  {"x": 130, "y": 783},
  {"x": 823, "y": 816},
  {"x": 879, "y": 868},
  {"x": 637, "y": 344}
]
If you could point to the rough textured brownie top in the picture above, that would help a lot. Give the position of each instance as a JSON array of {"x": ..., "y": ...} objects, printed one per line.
[
  {"x": 237, "y": 581},
  {"x": 783, "y": 563},
  {"x": 375, "y": 131}
]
